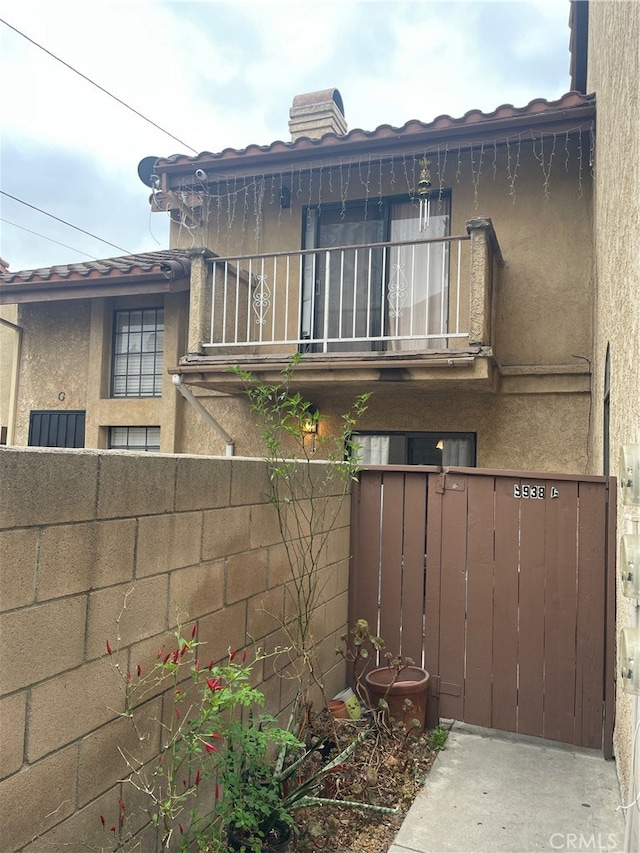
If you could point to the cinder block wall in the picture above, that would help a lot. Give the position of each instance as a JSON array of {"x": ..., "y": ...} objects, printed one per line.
[{"x": 79, "y": 531}]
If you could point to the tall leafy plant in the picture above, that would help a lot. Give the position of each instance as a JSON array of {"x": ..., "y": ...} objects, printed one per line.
[{"x": 309, "y": 479}]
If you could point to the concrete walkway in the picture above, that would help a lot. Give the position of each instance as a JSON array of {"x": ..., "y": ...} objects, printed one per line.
[{"x": 490, "y": 792}]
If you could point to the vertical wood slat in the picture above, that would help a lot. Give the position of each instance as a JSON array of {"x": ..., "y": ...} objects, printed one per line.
[
  {"x": 561, "y": 590},
  {"x": 479, "y": 629},
  {"x": 531, "y": 615},
  {"x": 391, "y": 538},
  {"x": 610, "y": 617},
  {"x": 505, "y": 606},
  {"x": 364, "y": 592},
  {"x": 431, "y": 655},
  {"x": 452, "y": 600},
  {"x": 413, "y": 574},
  {"x": 591, "y": 614}
]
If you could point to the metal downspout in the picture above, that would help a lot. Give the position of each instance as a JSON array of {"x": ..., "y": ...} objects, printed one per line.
[
  {"x": 178, "y": 381},
  {"x": 13, "y": 391}
]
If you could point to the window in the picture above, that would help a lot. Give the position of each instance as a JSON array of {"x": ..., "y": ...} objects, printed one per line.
[
  {"x": 138, "y": 338},
  {"x": 135, "y": 438},
  {"x": 417, "y": 448},
  {"x": 53, "y": 428},
  {"x": 399, "y": 293}
]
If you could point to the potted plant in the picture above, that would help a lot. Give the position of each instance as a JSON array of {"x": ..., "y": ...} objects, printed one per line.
[{"x": 398, "y": 689}]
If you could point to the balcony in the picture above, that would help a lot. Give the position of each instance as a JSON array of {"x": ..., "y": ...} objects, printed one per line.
[{"x": 381, "y": 310}]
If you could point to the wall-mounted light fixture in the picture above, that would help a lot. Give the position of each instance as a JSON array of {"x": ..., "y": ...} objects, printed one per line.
[
  {"x": 440, "y": 445},
  {"x": 309, "y": 426},
  {"x": 629, "y": 474}
]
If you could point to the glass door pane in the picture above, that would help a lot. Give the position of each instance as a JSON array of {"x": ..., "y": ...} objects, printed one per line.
[{"x": 418, "y": 289}]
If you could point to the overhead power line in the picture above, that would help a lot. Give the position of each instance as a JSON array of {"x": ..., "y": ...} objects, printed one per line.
[
  {"x": 97, "y": 85},
  {"x": 44, "y": 237},
  {"x": 64, "y": 222}
]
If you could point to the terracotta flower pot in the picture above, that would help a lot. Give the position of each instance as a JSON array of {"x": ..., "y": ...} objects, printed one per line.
[
  {"x": 338, "y": 709},
  {"x": 412, "y": 684}
]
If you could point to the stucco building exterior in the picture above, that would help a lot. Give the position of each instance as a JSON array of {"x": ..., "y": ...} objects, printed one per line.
[{"x": 444, "y": 266}]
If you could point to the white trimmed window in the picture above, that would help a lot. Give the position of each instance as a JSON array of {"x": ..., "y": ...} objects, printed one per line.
[
  {"x": 138, "y": 438},
  {"x": 138, "y": 342}
]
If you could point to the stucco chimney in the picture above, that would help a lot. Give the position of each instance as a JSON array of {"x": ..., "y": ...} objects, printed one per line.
[{"x": 317, "y": 113}]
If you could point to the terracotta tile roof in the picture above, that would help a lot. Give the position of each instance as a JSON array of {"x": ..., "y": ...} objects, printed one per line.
[
  {"x": 170, "y": 263},
  {"x": 506, "y": 118}
]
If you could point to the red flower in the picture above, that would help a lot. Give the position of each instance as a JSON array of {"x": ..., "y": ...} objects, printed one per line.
[
  {"x": 160, "y": 651},
  {"x": 214, "y": 684},
  {"x": 233, "y": 654},
  {"x": 175, "y": 655},
  {"x": 122, "y": 805},
  {"x": 181, "y": 829},
  {"x": 178, "y": 714},
  {"x": 184, "y": 649},
  {"x": 139, "y": 670},
  {"x": 215, "y": 735},
  {"x": 166, "y": 657},
  {"x": 197, "y": 665},
  {"x": 193, "y": 630},
  {"x": 244, "y": 656},
  {"x": 113, "y": 829},
  {"x": 210, "y": 665},
  {"x": 121, "y": 820},
  {"x": 109, "y": 649},
  {"x": 197, "y": 778},
  {"x": 210, "y": 747},
  {"x": 102, "y": 820}
]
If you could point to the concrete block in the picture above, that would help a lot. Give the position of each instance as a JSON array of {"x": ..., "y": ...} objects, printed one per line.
[
  {"x": 249, "y": 482},
  {"x": 265, "y": 612},
  {"x": 280, "y": 571},
  {"x": 140, "y": 606},
  {"x": 49, "y": 636},
  {"x": 133, "y": 484},
  {"x": 246, "y": 575},
  {"x": 37, "y": 798},
  {"x": 80, "y": 557},
  {"x": 101, "y": 761},
  {"x": 197, "y": 590},
  {"x": 18, "y": 561},
  {"x": 12, "y": 726},
  {"x": 202, "y": 482},
  {"x": 46, "y": 484},
  {"x": 167, "y": 542},
  {"x": 225, "y": 532},
  {"x": 70, "y": 706},
  {"x": 83, "y": 830},
  {"x": 221, "y": 631},
  {"x": 264, "y": 528}
]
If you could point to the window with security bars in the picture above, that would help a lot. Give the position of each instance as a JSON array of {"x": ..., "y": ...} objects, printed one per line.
[
  {"x": 135, "y": 438},
  {"x": 138, "y": 341}
]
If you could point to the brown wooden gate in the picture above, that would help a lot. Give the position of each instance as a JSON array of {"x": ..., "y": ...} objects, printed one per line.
[{"x": 498, "y": 583}]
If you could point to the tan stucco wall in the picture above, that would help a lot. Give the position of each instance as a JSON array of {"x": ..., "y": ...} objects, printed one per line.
[
  {"x": 66, "y": 359},
  {"x": 544, "y": 294},
  {"x": 79, "y": 530},
  {"x": 614, "y": 72},
  {"x": 8, "y": 344}
]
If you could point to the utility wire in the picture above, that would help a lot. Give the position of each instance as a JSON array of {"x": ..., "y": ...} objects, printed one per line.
[
  {"x": 97, "y": 85},
  {"x": 64, "y": 222},
  {"x": 44, "y": 237}
]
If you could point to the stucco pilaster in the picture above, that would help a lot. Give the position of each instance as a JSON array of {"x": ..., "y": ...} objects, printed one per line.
[{"x": 484, "y": 246}]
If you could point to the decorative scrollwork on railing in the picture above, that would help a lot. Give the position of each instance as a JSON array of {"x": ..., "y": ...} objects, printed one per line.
[
  {"x": 261, "y": 299},
  {"x": 397, "y": 292}
]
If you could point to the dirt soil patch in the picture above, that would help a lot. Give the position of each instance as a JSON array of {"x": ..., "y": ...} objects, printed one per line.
[{"x": 387, "y": 769}]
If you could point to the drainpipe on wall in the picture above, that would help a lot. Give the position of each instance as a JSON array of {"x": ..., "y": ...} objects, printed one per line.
[
  {"x": 13, "y": 392},
  {"x": 186, "y": 392}
]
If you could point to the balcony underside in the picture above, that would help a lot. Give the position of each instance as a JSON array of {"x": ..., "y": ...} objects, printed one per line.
[{"x": 472, "y": 369}]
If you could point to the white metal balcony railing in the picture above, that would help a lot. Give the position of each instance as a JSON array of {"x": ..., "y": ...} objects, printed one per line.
[{"x": 402, "y": 295}]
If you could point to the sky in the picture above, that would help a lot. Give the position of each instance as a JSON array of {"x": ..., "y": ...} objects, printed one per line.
[{"x": 217, "y": 75}]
